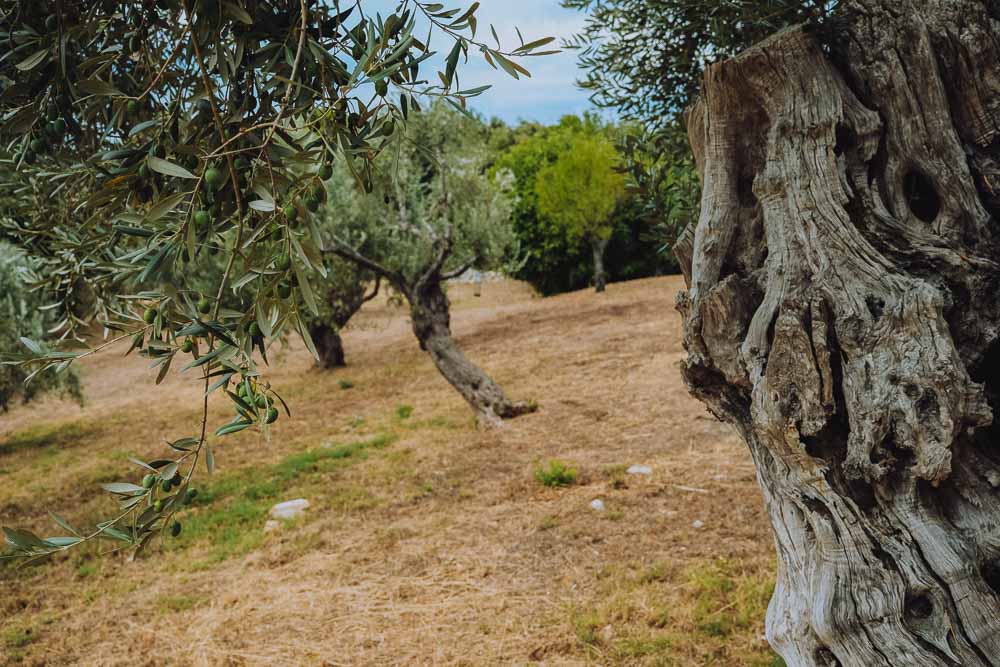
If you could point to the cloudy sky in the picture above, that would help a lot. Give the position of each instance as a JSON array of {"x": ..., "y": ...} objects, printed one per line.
[{"x": 549, "y": 93}]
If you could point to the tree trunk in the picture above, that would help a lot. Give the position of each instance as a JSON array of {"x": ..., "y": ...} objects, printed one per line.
[
  {"x": 842, "y": 314},
  {"x": 431, "y": 317},
  {"x": 599, "y": 245},
  {"x": 329, "y": 346}
]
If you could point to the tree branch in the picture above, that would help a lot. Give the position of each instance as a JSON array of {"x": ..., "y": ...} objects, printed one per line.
[
  {"x": 344, "y": 251},
  {"x": 378, "y": 283},
  {"x": 459, "y": 271}
]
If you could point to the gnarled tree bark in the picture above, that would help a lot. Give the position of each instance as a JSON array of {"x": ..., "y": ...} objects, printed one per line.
[
  {"x": 842, "y": 314},
  {"x": 430, "y": 314}
]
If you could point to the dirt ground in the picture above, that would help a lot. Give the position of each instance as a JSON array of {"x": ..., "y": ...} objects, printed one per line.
[{"x": 428, "y": 541}]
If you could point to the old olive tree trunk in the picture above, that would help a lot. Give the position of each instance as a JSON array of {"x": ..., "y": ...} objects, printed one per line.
[
  {"x": 430, "y": 314},
  {"x": 843, "y": 313}
]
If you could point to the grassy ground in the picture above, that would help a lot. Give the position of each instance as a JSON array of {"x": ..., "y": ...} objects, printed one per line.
[{"x": 427, "y": 541}]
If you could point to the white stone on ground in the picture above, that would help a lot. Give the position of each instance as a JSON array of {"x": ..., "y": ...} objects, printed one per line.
[
  {"x": 597, "y": 504},
  {"x": 289, "y": 509},
  {"x": 697, "y": 523},
  {"x": 639, "y": 470}
]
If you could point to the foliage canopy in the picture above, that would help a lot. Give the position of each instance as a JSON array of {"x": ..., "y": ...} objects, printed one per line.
[{"x": 140, "y": 140}]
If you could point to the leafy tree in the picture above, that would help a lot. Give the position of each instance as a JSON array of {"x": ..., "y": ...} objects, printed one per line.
[
  {"x": 580, "y": 191},
  {"x": 431, "y": 217},
  {"x": 23, "y": 315},
  {"x": 662, "y": 180},
  {"x": 141, "y": 139},
  {"x": 645, "y": 59},
  {"x": 552, "y": 261}
]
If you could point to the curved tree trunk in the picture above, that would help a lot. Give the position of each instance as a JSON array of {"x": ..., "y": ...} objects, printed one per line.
[
  {"x": 431, "y": 318},
  {"x": 599, "y": 245},
  {"x": 329, "y": 346},
  {"x": 842, "y": 313}
]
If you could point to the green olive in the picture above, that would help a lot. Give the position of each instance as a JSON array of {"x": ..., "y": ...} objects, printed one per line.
[{"x": 150, "y": 315}]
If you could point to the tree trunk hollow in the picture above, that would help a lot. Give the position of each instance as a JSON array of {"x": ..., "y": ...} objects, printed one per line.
[
  {"x": 841, "y": 313},
  {"x": 431, "y": 318}
]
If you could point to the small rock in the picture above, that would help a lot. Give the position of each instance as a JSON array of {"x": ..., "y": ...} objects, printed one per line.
[
  {"x": 993, "y": 477},
  {"x": 271, "y": 525},
  {"x": 289, "y": 509},
  {"x": 639, "y": 470},
  {"x": 697, "y": 523},
  {"x": 597, "y": 504}
]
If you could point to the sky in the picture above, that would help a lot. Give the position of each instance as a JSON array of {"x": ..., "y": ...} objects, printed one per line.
[{"x": 550, "y": 93}]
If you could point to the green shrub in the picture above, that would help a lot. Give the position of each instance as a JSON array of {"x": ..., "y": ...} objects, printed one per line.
[
  {"x": 345, "y": 384},
  {"x": 555, "y": 474}
]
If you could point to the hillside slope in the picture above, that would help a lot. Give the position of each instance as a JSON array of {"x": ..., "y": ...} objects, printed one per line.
[{"x": 428, "y": 542}]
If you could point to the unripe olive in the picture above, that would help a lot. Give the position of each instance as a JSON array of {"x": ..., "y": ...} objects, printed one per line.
[
  {"x": 175, "y": 528},
  {"x": 187, "y": 345},
  {"x": 283, "y": 263},
  {"x": 214, "y": 177},
  {"x": 325, "y": 172},
  {"x": 204, "y": 305},
  {"x": 202, "y": 218},
  {"x": 291, "y": 213},
  {"x": 132, "y": 108},
  {"x": 272, "y": 415},
  {"x": 148, "y": 481},
  {"x": 284, "y": 290},
  {"x": 150, "y": 315}
]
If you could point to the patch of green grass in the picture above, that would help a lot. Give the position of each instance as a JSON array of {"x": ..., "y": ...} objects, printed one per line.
[
  {"x": 172, "y": 604},
  {"x": 707, "y": 613},
  {"x": 47, "y": 435},
  {"x": 616, "y": 476},
  {"x": 404, "y": 412},
  {"x": 230, "y": 512},
  {"x": 724, "y": 601},
  {"x": 642, "y": 647},
  {"x": 555, "y": 474},
  {"x": 86, "y": 570},
  {"x": 548, "y": 523},
  {"x": 586, "y": 626},
  {"x": 19, "y": 636},
  {"x": 345, "y": 384}
]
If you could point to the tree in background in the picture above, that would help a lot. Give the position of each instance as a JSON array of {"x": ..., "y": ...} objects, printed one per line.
[
  {"x": 430, "y": 217},
  {"x": 345, "y": 289},
  {"x": 23, "y": 315},
  {"x": 552, "y": 261},
  {"x": 580, "y": 191},
  {"x": 645, "y": 60}
]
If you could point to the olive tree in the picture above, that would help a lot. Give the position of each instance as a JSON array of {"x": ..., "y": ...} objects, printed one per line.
[
  {"x": 23, "y": 316},
  {"x": 141, "y": 138},
  {"x": 430, "y": 217},
  {"x": 841, "y": 314},
  {"x": 345, "y": 289},
  {"x": 580, "y": 191}
]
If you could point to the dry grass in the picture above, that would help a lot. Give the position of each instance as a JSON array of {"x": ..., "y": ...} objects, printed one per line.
[{"x": 428, "y": 542}]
